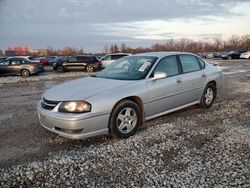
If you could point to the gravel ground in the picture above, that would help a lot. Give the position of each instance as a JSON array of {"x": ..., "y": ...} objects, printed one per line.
[
  {"x": 189, "y": 148},
  {"x": 49, "y": 74}
]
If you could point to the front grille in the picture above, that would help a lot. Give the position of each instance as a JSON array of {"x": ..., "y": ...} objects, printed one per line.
[{"x": 48, "y": 105}]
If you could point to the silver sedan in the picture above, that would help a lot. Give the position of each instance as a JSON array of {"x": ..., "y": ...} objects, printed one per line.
[{"x": 130, "y": 91}]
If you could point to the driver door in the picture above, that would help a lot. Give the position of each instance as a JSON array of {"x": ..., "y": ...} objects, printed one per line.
[{"x": 164, "y": 94}]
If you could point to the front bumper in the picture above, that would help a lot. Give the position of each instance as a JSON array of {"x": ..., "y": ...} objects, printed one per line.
[{"x": 73, "y": 126}]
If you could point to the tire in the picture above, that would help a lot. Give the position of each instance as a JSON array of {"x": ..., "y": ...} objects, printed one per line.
[
  {"x": 229, "y": 58},
  {"x": 59, "y": 69},
  {"x": 208, "y": 96},
  {"x": 25, "y": 73},
  {"x": 125, "y": 119},
  {"x": 89, "y": 68}
]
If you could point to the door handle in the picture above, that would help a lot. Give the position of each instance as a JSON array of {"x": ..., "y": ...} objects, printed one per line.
[
  {"x": 203, "y": 75},
  {"x": 179, "y": 80}
]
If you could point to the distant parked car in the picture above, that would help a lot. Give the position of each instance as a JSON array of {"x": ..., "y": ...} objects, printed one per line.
[
  {"x": 217, "y": 54},
  {"x": 209, "y": 55},
  {"x": 245, "y": 55},
  {"x": 110, "y": 58},
  {"x": 42, "y": 60},
  {"x": 19, "y": 66},
  {"x": 51, "y": 60},
  {"x": 28, "y": 59},
  {"x": 81, "y": 62},
  {"x": 2, "y": 58},
  {"x": 127, "y": 93},
  {"x": 233, "y": 54},
  {"x": 60, "y": 60}
]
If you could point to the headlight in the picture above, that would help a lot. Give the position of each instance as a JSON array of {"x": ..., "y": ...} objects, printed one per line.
[{"x": 75, "y": 107}]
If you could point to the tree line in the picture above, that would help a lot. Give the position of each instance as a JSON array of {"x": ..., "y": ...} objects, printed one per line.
[{"x": 215, "y": 45}]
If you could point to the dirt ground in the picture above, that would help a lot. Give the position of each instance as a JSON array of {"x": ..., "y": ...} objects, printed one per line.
[{"x": 23, "y": 140}]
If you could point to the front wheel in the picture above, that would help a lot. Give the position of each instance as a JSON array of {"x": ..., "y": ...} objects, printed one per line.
[
  {"x": 208, "y": 96},
  {"x": 125, "y": 119}
]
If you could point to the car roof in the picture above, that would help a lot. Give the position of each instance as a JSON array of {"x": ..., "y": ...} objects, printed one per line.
[
  {"x": 118, "y": 54},
  {"x": 83, "y": 56},
  {"x": 162, "y": 54},
  {"x": 18, "y": 57}
]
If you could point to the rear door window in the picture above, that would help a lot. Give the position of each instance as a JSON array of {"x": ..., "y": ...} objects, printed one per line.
[
  {"x": 202, "y": 63},
  {"x": 15, "y": 62},
  {"x": 72, "y": 59},
  {"x": 189, "y": 63},
  {"x": 83, "y": 59}
]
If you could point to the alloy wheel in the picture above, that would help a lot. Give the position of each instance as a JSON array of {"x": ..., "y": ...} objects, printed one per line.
[
  {"x": 89, "y": 68},
  {"x": 126, "y": 120},
  {"x": 209, "y": 96}
]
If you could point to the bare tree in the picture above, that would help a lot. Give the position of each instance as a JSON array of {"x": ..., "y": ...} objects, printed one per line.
[
  {"x": 123, "y": 48},
  {"x": 105, "y": 49}
]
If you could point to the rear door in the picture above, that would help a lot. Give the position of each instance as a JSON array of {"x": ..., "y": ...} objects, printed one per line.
[
  {"x": 164, "y": 94},
  {"x": 83, "y": 61},
  {"x": 192, "y": 79},
  {"x": 14, "y": 66}
]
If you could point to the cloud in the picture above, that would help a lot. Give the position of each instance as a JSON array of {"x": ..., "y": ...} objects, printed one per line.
[
  {"x": 95, "y": 22},
  {"x": 110, "y": 11}
]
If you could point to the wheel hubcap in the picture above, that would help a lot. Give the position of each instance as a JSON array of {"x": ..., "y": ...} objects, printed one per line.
[
  {"x": 59, "y": 69},
  {"x": 209, "y": 96},
  {"x": 126, "y": 120},
  {"x": 25, "y": 73},
  {"x": 89, "y": 69}
]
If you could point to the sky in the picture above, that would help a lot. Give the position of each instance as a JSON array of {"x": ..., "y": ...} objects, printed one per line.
[{"x": 92, "y": 24}]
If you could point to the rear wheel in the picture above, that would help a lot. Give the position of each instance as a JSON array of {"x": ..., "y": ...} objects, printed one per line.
[
  {"x": 89, "y": 68},
  {"x": 208, "y": 96},
  {"x": 25, "y": 73},
  {"x": 60, "y": 69},
  {"x": 125, "y": 119}
]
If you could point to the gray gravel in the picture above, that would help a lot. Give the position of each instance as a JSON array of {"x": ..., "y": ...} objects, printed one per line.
[
  {"x": 189, "y": 148},
  {"x": 49, "y": 74}
]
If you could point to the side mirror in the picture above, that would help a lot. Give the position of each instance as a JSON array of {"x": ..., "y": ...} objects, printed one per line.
[{"x": 159, "y": 75}]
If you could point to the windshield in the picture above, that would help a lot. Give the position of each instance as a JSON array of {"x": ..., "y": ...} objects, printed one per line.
[{"x": 128, "y": 68}]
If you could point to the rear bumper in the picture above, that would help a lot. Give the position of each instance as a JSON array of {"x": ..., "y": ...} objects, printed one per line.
[
  {"x": 77, "y": 127},
  {"x": 36, "y": 70}
]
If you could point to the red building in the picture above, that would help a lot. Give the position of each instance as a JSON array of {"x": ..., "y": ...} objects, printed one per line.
[{"x": 20, "y": 50}]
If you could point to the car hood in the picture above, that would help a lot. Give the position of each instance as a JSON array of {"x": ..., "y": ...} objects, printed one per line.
[{"x": 84, "y": 88}]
